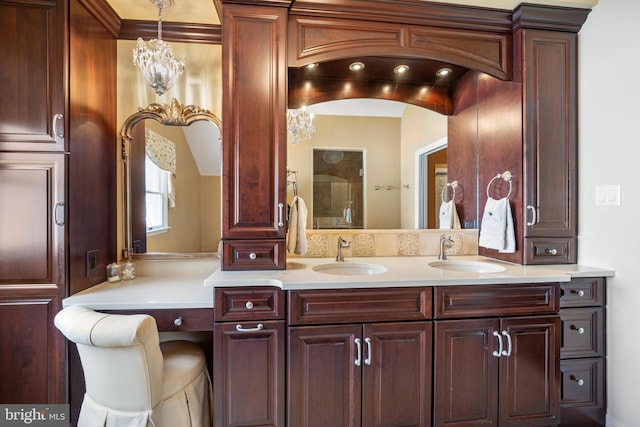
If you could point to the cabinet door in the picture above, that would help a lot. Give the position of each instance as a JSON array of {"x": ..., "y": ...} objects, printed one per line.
[
  {"x": 254, "y": 128},
  {"x": 248, "y": 374},
  {"x": 466, "y": 373},
  {"x": 324, "y": 379},
  {"x": 550, "y": 87},
  {"x": 32, "y": 74},
  {"x": 530, "y": 375},
  {"x": 396, "y": 372}
]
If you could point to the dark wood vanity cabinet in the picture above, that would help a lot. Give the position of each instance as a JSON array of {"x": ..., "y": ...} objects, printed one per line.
[
  {"x": 502, "y": 370},
  {"x": 583, "y": 353},
  {"x": 254, "y": 93},
  {"x": 249, "y": 341},
  {"x": 359, "y": 373}
]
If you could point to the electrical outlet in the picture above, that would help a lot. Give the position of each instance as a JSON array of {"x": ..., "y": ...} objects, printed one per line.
[{"x": 91, "y": 262}]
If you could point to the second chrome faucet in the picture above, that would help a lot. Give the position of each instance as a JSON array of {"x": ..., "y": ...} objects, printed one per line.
[{"x": 342, "y": 244}]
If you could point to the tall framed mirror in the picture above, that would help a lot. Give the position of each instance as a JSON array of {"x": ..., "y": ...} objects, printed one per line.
[{"x": 171, "y": 202}]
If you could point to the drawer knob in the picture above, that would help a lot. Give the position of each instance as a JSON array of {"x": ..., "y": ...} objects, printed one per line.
[
  {"x": 249, "y": 305},
  {"x": 579, "y": 330},
  {"x": 178, "y": 321},
  {"x": 551, "y": 251},
  {"x": 580, "y": 292},
  {"x": 252, "y": 255},
  {"x": 580, "y": 381}
]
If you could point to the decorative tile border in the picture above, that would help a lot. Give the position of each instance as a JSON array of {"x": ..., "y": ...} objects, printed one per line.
[{"x": 380, "y": 243}]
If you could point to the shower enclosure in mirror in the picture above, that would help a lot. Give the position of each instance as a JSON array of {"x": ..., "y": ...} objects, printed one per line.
[{"x": 171, "y": 177}]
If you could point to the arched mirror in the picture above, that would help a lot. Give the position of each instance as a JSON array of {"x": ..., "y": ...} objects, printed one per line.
[{"x": 171, "y": 163}]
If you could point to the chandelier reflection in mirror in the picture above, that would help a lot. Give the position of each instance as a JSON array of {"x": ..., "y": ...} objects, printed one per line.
[
  {"x": 159, "y": 67},
  {"x": 299, "y": 126}
]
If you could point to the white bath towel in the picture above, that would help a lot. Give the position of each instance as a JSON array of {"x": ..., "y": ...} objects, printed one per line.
[
  {"x": 347, "y": 215},
  {"x": 298, "y": 227},
  {"x": 449, "y": 215},
  {"x": 496, "y": 230}
]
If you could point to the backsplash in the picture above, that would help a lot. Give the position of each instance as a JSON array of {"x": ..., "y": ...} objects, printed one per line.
[{"x": 381, "y": 243}]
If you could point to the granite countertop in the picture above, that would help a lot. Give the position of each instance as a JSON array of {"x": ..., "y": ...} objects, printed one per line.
[{"x": 174, "y": 288}]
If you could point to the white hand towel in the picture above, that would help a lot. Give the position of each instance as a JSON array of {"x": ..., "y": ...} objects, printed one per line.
[
  {"x": 347, "y": 215},
  {"x": 449, "y": 215},
  {"x": 496, "y": 230},
  {"x": 298, "y": 227}
]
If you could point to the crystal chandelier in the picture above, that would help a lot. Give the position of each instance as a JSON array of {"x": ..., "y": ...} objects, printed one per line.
[
  {"x": 299, "y": 126},
  {"x": 159, "y": 67}
]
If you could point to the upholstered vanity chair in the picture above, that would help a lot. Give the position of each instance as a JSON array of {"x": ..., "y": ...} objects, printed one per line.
[{"x": 131, "y": 379}]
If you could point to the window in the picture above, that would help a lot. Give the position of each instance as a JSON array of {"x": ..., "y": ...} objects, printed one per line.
[{"x": 157, "y": 189}]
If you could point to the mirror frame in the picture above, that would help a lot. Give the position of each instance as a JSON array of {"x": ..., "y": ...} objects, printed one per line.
[{"x": 173, "y": 114}]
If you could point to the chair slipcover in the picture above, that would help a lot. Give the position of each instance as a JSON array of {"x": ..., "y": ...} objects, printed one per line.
[{"x": 131, "y": 379}]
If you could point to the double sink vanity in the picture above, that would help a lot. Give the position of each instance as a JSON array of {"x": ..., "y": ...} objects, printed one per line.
[{"x": 391, "y": 341}]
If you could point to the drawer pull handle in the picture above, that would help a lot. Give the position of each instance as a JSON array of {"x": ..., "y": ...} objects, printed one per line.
[
  {"x": 508, "y": 351},
  {"x": 249, "y": 305},
  {"x": 498, "y": 352},
  {"x": 178, "y": 321},
  {"x": 367, "y": 361},
  {"x": 580, "y": 381},
  {"x": 258, "y": 328},
  {"x": 252, "y": 255},
  {"x": 580, "y": 293},
  {"x": 579, "y": 330},
  {"x": 551, "y": 251}
]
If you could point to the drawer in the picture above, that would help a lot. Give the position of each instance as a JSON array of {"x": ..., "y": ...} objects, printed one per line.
[
  {"x": 582, "y": 332},
  {"x": 582, "y": 293},
  {"x": 172, "y": 320},
  {"x": 582, "y": 382},
  {"x": 557, "y": 250},
  {"x": 245, "y": 255},
  {"x": 359, "y": 305},
  {"x": 248, "y": 303},
  {"x": 453, "y": 302}
]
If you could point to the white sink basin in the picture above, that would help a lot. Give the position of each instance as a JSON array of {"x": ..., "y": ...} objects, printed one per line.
[
  {"x": 350, "y": 269},
  {"x": 467, "y": 266}
]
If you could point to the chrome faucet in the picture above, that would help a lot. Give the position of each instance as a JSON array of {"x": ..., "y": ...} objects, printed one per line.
[
  {"x": 342, "y": 244},
  {"x": 444, "y": 241}
]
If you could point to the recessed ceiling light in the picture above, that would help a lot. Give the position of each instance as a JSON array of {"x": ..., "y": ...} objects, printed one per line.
[
  {"x": 443, "y": 72},
  {"x": 401, "y": 69},
  {"x": 356, "y": 66}
]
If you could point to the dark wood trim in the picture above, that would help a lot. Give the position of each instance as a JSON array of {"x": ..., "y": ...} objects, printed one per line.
[
  {"x": 104, "y": 14},
  {"x": 549, "y": 18},
  {"x": 410, "y": 13},
  {"x": 171, "y": 31}
]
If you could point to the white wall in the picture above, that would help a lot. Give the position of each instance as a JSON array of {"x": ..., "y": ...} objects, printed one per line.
[{"x": 609, "y": 153}]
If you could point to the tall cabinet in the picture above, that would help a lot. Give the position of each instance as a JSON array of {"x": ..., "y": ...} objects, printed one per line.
[
  {"x": 57, "y": 127},
  {"x": 33, "y": 119},
  {"x": 254, "y": 136}
]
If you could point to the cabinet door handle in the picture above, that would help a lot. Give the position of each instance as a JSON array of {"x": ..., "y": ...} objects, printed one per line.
[
  {"x": 534, "y": 218},
  {"x": 258, "y": 328},
  {"x": 508, "y": 351},
  {"x": 498, "y": 352},
  {"x": 280, "y": 214},
  {"x": 56, "y": 209},
  {"x": 358, "y": 360},
  {"x": 54, "y": 127},
  {"x": 367, "y": 361}
]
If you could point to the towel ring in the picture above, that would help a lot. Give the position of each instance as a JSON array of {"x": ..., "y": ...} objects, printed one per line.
[
  {"x": 453, "y": 185},
  {"x": 506, "y": 176}
]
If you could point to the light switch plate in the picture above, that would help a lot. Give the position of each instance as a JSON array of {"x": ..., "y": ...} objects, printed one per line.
[{"x": 607, "y": 195}]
